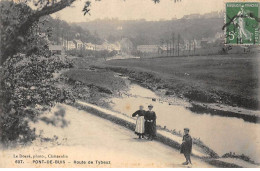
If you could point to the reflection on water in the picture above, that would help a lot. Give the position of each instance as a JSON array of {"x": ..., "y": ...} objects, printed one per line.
[{"x": 222, "y": 134}]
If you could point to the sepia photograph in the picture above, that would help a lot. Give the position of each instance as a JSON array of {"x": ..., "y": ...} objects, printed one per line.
[{"x": 129, "y": 84}]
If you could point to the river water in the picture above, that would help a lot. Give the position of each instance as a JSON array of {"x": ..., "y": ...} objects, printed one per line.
[{"x": 222, "y": 134}]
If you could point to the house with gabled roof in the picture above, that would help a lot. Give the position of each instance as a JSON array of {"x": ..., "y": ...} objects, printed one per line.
[
  {"x": 56, "y": 49},
  {"x": 78, "y": 43},
  {"x": 89, "y": 46},
  {"x": 71, "y": 45},
  {"x": 100, "y": 47}
]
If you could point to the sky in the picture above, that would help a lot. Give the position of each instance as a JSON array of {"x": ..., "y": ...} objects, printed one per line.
[{"x": 138, "y": 9}]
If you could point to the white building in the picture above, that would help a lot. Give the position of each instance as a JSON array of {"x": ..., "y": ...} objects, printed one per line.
[
  {"x": 126, "y": 46},
  {"x": 190, "y": 44},
  {"x": 56, "y": 49},
  {"x": 79, "y": 44},
  {"x": 116, "y": 47},
  {"x": 107, "y": 46},
  {"x": 89, "y": 46},
  {"x": 71, "y": 45},
  {"x": 100, "y": 48},
  {"x": 148, "y": 48}
]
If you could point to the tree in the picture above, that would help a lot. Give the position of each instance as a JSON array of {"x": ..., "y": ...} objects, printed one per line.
[
  {"x": 23, "y": 20},
  {"x": 27, "y": 81},
  {"x": 29, "y": 89},
  {"x": 18, "y": 18}
]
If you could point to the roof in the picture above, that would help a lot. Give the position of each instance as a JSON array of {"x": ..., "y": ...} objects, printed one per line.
[
  {"x": 100, "y": 46},
  {"x": 106, "y": 43},
  {"x": 78, "y": 41},
  {"x": 115, "y": 46},
  {"x": 89, "y": 44},
  {"x": 55, "y": 47},
  {"x": 71, "y": 43}
]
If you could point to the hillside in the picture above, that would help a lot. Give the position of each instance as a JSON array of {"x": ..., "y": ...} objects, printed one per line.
[
  {"x": 58, "y": 30},
  {"x": 152, "y": 32}
]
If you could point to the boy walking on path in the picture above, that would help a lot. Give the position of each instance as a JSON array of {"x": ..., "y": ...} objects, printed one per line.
[{"x": 186, "y": 146}]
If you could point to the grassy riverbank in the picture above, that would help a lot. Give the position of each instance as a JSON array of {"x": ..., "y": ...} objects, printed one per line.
[
  {"x": 230, "y": 80},
  {"x": 101, "y": 83},
  {"x": 96, "y": 86}
]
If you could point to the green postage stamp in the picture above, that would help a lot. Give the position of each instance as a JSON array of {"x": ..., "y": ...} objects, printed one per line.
[{"x": 242, "y": 23}]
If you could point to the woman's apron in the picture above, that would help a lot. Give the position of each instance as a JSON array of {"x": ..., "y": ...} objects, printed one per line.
[{"x": 139, "y": 129}]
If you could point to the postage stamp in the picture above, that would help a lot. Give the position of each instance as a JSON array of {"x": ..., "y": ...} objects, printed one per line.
[{"x": 241, "y": 23}]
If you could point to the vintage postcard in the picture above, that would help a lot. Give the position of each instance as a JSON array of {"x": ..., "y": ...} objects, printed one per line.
[{"x": 129, "y": 84}]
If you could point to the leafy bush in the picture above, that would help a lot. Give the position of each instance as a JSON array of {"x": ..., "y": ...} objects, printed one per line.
[
  {"x": 28, "y": 89},
  {"x": 29, "y": 39},
  {"x": 91, "y": 53}
]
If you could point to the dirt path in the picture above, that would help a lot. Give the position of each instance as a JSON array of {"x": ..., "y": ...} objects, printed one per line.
[{"x": 90, "y": 138}]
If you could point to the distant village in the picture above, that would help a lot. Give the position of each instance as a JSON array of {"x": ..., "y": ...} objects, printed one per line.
[
  {"x": 205, "y": 46},
  {"x": 135, "y": 38},
  {"x": 123, "y": 46},
  {"x": 126, "y": 46}
]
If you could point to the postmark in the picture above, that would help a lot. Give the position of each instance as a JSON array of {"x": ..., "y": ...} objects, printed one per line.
[{"x": 241, "y": 23}]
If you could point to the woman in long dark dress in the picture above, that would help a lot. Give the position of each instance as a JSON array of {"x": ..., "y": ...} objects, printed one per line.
[
  {"x": 140, "y": 129},
  {"x": 150, "y": 123}
]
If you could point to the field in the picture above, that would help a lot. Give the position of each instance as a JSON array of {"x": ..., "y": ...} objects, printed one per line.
[
  {"x": 231, "y": 80},
  {"x": 100, "y": 79},
  {"x": 94, "y": 86}
]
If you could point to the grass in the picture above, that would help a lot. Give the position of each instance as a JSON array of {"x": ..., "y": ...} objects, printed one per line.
[
  {"x": 92, "y": 86},
  {"x": 231, "y": 80},
  {"x": 104, "y": 80}
]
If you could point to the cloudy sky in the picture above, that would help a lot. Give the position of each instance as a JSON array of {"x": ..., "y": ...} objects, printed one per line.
[{"x": 138, "y": 9}]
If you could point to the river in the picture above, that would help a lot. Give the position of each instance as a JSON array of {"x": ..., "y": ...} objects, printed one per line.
[{"x": 222, "y": 134}]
